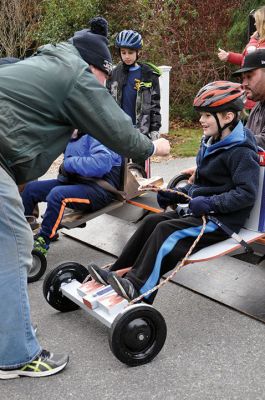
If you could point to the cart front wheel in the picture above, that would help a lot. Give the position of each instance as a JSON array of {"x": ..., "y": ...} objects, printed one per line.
[{"x": 137, "y": 334}]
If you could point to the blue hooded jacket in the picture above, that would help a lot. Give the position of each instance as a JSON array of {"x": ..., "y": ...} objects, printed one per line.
[
  {"x": 228, "y": 172},
  {"x": 87, "y": 157}
]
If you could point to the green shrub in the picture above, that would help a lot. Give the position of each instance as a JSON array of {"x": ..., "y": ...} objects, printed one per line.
[
  {"x": 184, "y": 34},
  {"x": 61, "y": 18},
  {"x": 236, "y": 38}
]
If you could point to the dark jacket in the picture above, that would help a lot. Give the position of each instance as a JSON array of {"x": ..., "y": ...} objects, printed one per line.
[
  {"x": 256, "y": 123},
  {"x": 228, "y": 172},
  {"x": 147, "y": 107},
  {"x": 44, "y": 98}
]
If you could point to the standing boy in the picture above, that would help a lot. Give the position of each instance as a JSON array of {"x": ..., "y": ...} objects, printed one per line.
[{"x": 135, "y": 85}]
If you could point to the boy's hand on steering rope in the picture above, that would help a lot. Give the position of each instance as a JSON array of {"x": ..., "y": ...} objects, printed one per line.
[
  {"x": 201, "y": 205},
  {"x": 166, "y": 199},
  {"x": 150, "y": 187}
]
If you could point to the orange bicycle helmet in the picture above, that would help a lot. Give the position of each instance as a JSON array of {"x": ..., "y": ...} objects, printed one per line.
[{"x": 220, "y": 96}]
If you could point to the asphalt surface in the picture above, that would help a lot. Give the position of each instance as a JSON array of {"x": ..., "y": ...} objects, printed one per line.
[{"x": 211, "y": 351}]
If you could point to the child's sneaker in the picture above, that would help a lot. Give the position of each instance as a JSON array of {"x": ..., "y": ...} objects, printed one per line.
[
  {"x": 122, "y": 286},
  {"x": 41, "y": 245},
  {"x": 43, "y": 365},
  {"x": 100, "y": 275}
]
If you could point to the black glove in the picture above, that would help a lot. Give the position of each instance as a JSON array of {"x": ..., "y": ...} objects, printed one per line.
[
  {"x": 166, "y": 199},
  {"x": 62, "y": 170},
  {"x": 201, "y": 205}
]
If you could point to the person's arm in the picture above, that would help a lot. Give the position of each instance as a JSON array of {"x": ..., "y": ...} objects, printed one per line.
[
  {"x": 96, "y": 161},
  {"x": 256, "y": 123},
  {"x": 96, "y": 165},
  {"x": 155, "y": 115},
  {"x": 228, "y": 56},
  {"x": 90, "y": 108},
  {"x": 235, "y": 58},
  {"x": 260, "y": 138}
]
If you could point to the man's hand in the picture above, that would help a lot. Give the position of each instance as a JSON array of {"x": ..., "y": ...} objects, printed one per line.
[
  {"x": 222, "y": 54},
  {"x": 162, "y": 147}
]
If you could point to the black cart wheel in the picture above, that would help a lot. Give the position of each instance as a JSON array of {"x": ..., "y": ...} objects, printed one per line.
[
  {"x": 38, "y": 267},
  {"x": 178, "y": 181},
  {"x": 137, "y": 170},
  {"x": 137, "y": 334},
  {"x": 63, "y": 273}
]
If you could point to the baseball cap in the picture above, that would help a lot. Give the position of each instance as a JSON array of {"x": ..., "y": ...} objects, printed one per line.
[{"x": 252, "y": 61}]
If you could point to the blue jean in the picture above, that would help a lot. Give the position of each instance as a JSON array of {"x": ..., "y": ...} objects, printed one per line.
[{"x": 18, "y": 343}]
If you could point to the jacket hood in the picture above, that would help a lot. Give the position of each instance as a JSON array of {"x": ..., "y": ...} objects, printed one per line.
[{"x": 240, "y": 136}]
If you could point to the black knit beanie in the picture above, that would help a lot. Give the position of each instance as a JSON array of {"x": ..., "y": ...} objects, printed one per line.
[{"x": 92, "y": 44}]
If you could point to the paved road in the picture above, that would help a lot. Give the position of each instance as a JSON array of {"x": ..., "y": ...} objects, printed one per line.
[{"x": 211, "y": 351}]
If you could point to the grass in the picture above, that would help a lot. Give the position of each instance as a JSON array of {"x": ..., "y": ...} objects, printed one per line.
[{"x": 185, "y": 141}]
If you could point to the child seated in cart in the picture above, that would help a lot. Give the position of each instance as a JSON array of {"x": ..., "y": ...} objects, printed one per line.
[
  {"x": 226, "y": 185},
  {"x": 84, "y": 158}
]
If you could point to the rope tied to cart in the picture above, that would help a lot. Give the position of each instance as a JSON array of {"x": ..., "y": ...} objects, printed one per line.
[{"x": 183, "y": 261}]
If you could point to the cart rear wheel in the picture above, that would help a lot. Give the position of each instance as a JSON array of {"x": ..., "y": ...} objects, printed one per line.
[
  {"x": 178, "y": 181},
  {"x": 137, "y": 334},
  {"x": 137, "y": 170},
  {"x": 63, "y": 273},
  {"x": 38, "y": 267}
]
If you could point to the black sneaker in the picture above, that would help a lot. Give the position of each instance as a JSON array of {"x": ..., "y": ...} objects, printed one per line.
[
  {"x": 100, "y": 275},
  {"x": 122, "y": 286},
  {"x": 45, "y": 364},
  {"x": 34, "y": 224}
]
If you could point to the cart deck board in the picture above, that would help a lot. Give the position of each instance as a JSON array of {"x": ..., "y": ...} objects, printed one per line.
[
  {"x": 232, "y": 282},
  {"x": 107, "y": 233}
]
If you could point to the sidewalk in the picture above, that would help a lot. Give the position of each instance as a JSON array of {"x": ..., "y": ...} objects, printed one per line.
[{"x": 211, "y": 352}]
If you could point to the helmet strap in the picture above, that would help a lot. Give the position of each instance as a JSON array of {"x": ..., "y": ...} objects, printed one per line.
[
  {"x": 220, "y": 129},
  {"x": 231, "y": 125}
]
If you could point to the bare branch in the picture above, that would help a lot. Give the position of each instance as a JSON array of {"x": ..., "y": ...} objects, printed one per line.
[{"x": 17, "y": 18}]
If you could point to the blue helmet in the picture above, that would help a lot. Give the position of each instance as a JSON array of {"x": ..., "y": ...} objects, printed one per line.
[{"x": 129, "y": 39}]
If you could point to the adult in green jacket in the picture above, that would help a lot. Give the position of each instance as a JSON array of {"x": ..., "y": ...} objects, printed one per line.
[{"x": 42, "y": 100}]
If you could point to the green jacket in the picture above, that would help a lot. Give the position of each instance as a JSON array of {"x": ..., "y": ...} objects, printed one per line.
[{"x": 45, "y": 97}]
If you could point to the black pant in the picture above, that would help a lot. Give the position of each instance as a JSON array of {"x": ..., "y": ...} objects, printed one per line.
[{"x": 161, "y": 241}]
